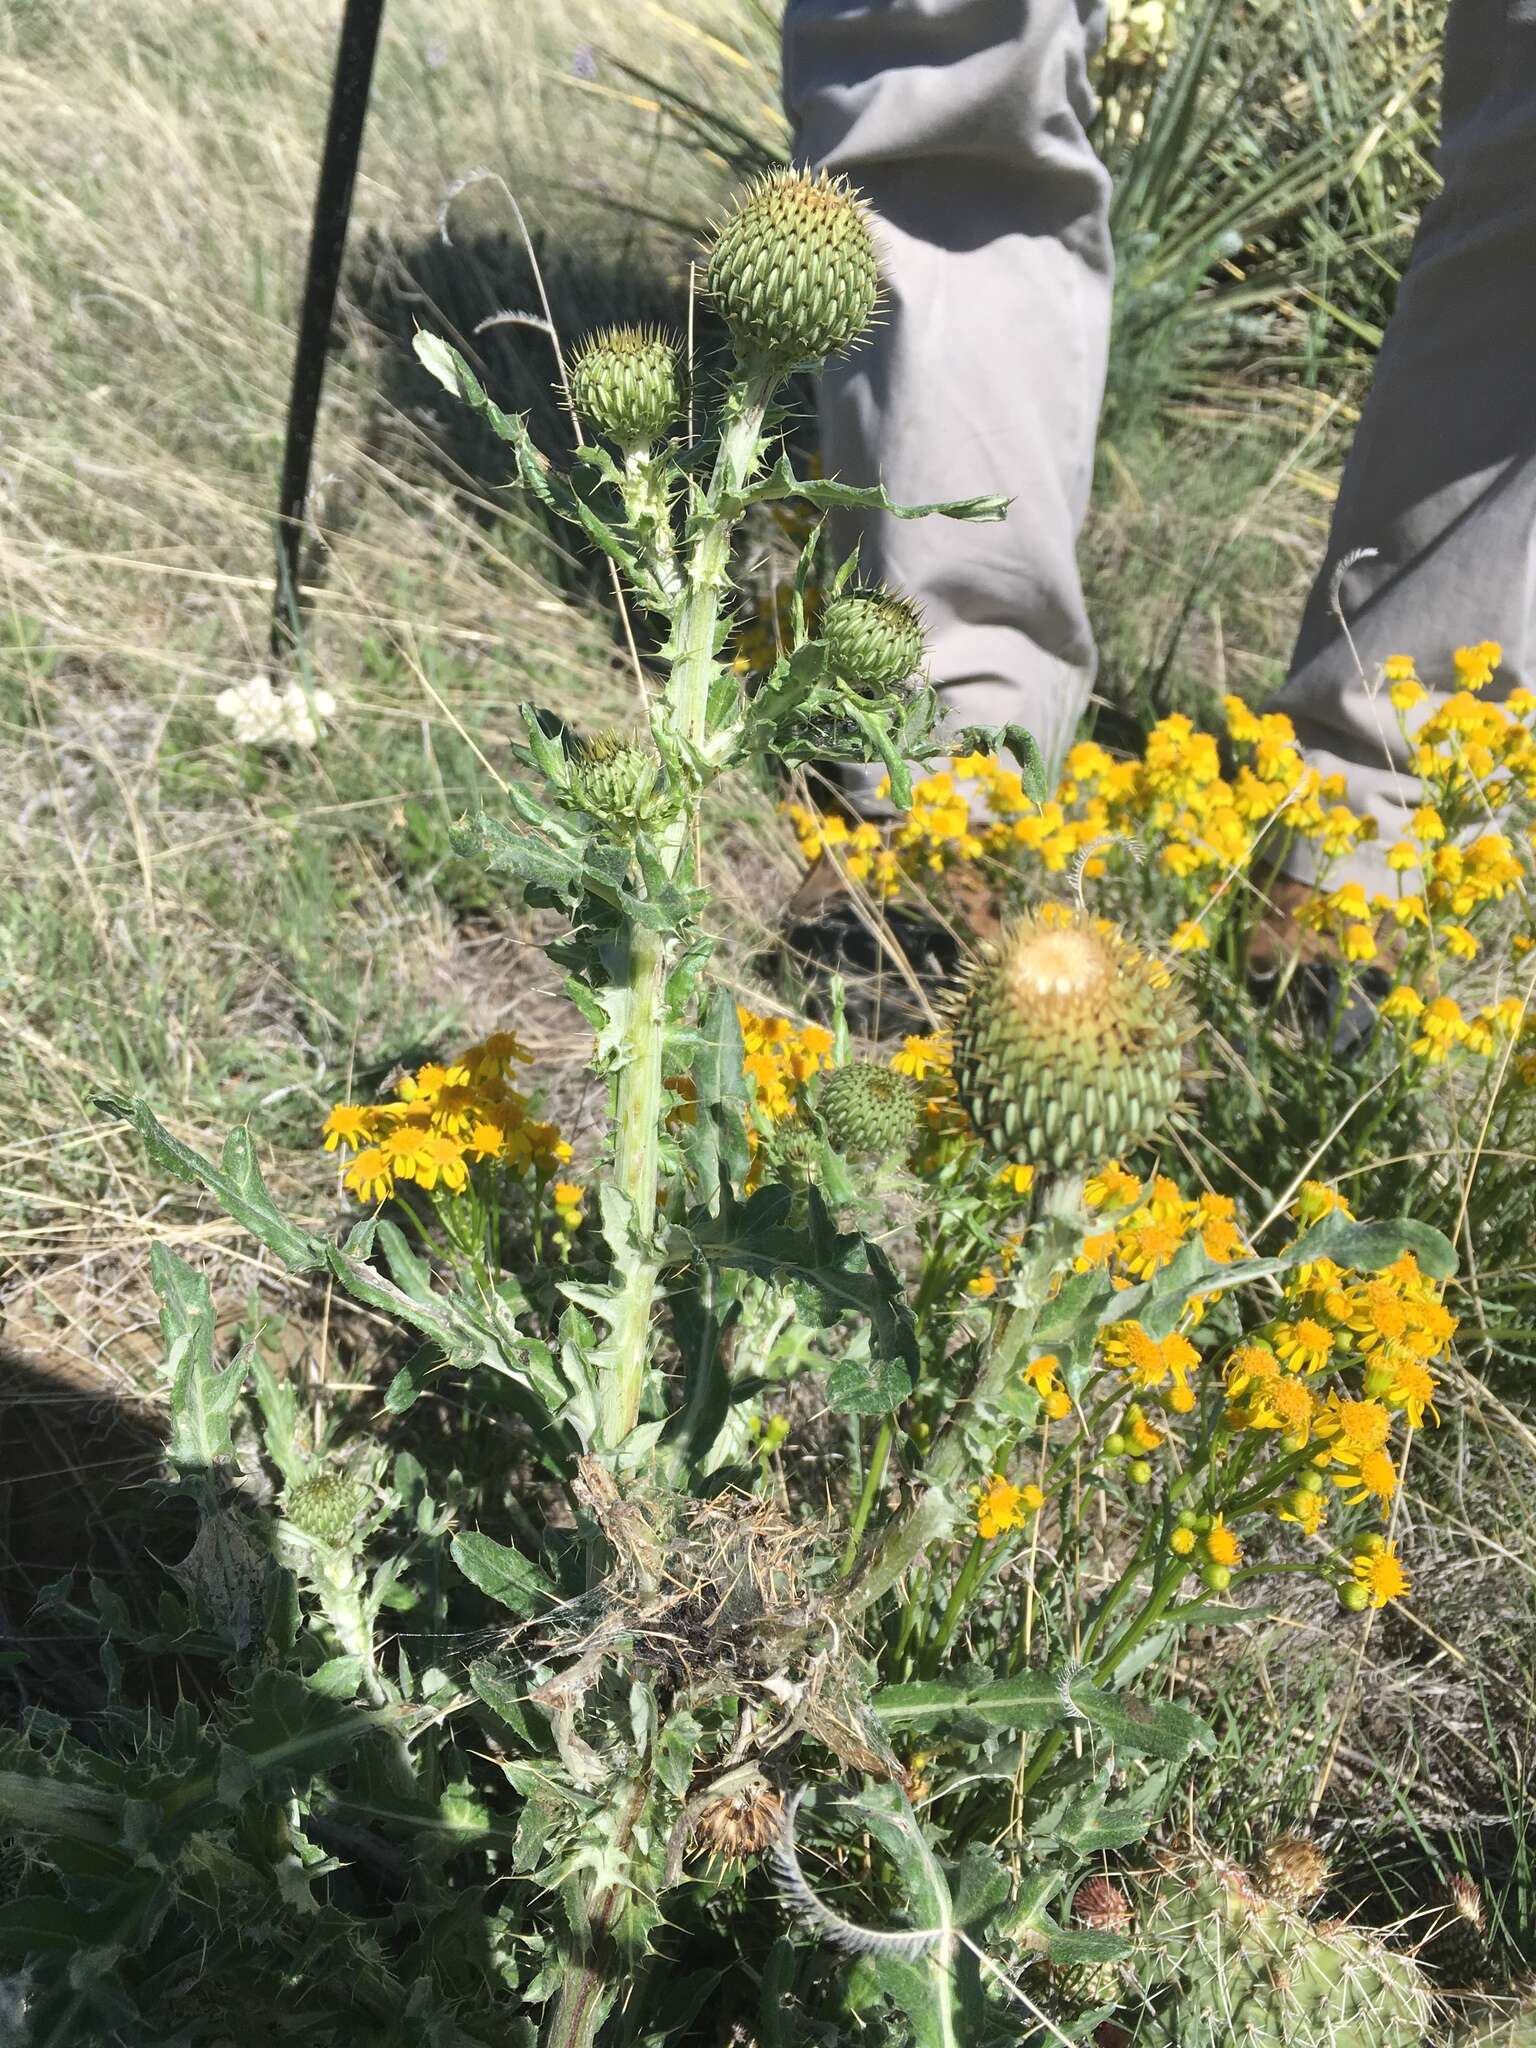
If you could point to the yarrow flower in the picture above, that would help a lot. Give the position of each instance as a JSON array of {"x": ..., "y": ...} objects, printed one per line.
[{"x": 260, "y": 716}]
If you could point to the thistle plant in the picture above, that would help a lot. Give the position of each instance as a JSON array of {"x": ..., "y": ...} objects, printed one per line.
[{"x": 697, "y": 1659}]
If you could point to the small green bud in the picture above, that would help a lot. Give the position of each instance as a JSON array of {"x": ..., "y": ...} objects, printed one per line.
[
  {"x": 1217, "y": 1576},
  {"x": 1115, "y": 1445},
  {"x": 614, "y": 778},
  {"x": 627, "y": 382},
  {"x": 793, "y": 271},
  {"x": 791, "y": 1155},
  {"x": 1205, "y": 1524},
  {"x": 1188, "y": 1519},
  {"x": 869, "y": 1112},
  {"x": 326, "y": 1507},
  {"x": 1355, "y": 1597},
  {"x": 1310, "y": 1481},
  {"x": 874, "y": 640},
  {"x": 1140, "y": 1472}
]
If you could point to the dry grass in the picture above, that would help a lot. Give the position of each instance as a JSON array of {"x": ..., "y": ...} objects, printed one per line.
[{"x": 239, "y": 937}]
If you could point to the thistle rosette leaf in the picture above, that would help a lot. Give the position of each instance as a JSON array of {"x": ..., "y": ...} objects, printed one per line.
[
  {"x": 628, "y": 382},
  {"x": 793, "y": 269},
  {"x": 1068, "y": 1042}
]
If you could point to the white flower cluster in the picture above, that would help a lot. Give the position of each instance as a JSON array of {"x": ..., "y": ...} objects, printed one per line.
[{"x": 264, "y": 717}]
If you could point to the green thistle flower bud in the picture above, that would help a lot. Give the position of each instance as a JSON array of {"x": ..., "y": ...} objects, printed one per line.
[
  {"x": 628, "y": 382},
  {"x": 615, "y": 778},
  {"x": 869, "y": 1111},
  {"x": 1068, "y": 1043},
  {"x": 793, "y": 269},
  {"x": 791, "y": 1155},
  {"x": 326, "y": 1508},
  {"x": 874, "y": 640}
]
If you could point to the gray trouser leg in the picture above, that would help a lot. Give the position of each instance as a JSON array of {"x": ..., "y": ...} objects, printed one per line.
[
  {"x": 964, "y": 122},
  {"x": 1441, "y": 480}
]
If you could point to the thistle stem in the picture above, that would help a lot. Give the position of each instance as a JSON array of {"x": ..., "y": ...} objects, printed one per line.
[{"x": 685, "y": 709}]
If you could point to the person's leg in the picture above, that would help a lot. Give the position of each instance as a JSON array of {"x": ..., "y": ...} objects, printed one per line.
[
  {"x": 964, "y": 123},
  {"x": 1441, "y": 480}
]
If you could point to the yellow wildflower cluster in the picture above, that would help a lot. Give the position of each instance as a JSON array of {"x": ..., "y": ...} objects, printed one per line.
[
  {"x": 1144, "y": 1228},
  {"x": 443, "y": 1121},
  {"x": 1197, "y": 824},
  {"x": 779, "y": 1058},
  {"x": 1311, "y": 1406}
]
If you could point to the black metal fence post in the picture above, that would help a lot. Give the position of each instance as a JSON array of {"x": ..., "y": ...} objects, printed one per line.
[{"x": 327, "y": 244}]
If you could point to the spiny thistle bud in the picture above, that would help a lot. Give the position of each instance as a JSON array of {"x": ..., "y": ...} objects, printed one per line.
[
  {"x": 1293, "y": 1871},
  {"x": 615, "y": 778},
  {"x": 628, "y": 382},
  {"x": 326, "y": 1508},
  {"x": 793, "y": 269},
  {"x": 791, "y": 1155},
  {"x": 1067, "y": 1042},
  {"x": 869, "y": 1111},
  {"x": 874, "y": 640}
]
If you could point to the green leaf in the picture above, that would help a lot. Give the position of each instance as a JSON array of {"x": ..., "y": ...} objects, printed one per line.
[
  {"x": 718, "y": 1134},
  {"x": 1032, "y": 1700},
  {"x": 511, "y": 1579},
  {"x": 202, "y": 1395},
  {"x": 1075, "y": 1945},
  {"x": 876, "y": 733},
  {"x": 1158, "y": 1728},
  {"x": 524, "y": 856},
  {"x": 843, "y": 1271},
  {"x": 825, "y": 492},
  {"x": 337, "y": 1679},
  {"x": 926, "y": 1988},
  {"x": 1025, "y": 749},
  {"x": 1367, "y": 1247},
  {"x": 290, "y": 1735},
  {"x": 236, "y": 1181},
  {"x": 504, "y": 1701},
  {"x": 533, "y": 471}
]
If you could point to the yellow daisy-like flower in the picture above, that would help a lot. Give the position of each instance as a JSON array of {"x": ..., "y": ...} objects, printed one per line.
[
  {"x": 983, "y": 1284},
  {"x": 921, "y": 1056},
  {"x": 1221, "y": 1544},
  {"x": 1356, "y": 1426},
  {"x": 1190, "y": 937},
  {"x": 1372, "y": 1474},
  {"x": 1475, "y": 666},
  {"x": 350, "y": 1126},
  {"x": 1112, "y": 1188},
  {"x": 568, "y": 1199},
  {"x": 1318, "y": 1200},
  {"x": 1017, "y": 1179},
  {"x": 1307, "y": 1510},
  {"x": 1001, "y": 1506},
  {"x": 1404, "y": 1005},
  {"x": 1381, "y": 1573},
  {"x": 369, "y": 1176},
  {"x": 1303, "y": 1346}
]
